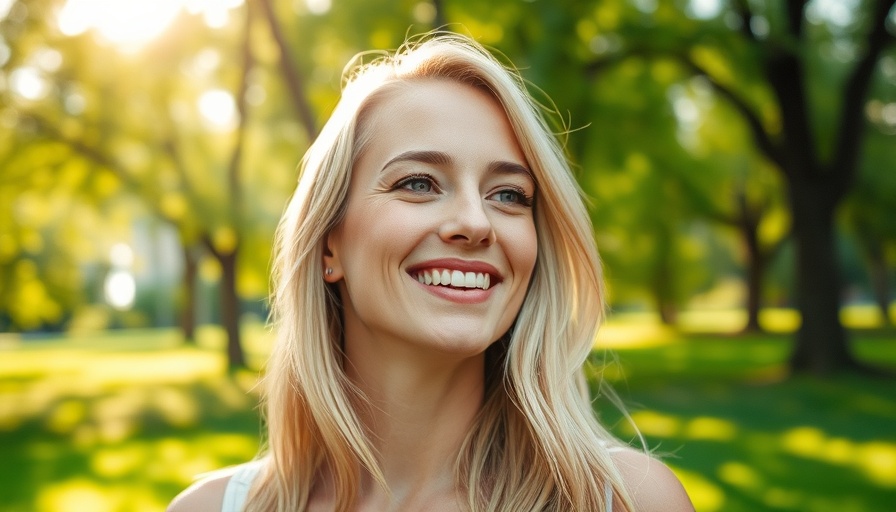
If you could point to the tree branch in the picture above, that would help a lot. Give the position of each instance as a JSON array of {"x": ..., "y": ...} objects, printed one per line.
[
  {"x": 742, "y": 7},
  {"x": 294, "y": 81},
  {"x": 233, "y": 172},
  {"x": 762, "y": 138},
  {"x": 795, "y": 18},
  {"x": 100, "y": 158},
  {"x": 852, "y": 123}
]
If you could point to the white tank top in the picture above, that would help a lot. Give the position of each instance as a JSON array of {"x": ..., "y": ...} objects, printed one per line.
[{"x": 238, "y": 488}]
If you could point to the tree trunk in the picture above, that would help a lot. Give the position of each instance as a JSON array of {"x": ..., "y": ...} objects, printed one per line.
[
  {"x": 821, "y": 342},
  {"x": 188, "y": 294},
  {"x": 663, "y": 281},
  {"x": 755, "y": 271},
  {"x": 230, "y": 309},
  {"x": 880, "y": 284},
  {"x": 748, "y": 224},
  {"x": 289, "y": 69}
]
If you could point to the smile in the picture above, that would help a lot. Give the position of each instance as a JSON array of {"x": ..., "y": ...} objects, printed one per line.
[{"x": 454, "y": 278}]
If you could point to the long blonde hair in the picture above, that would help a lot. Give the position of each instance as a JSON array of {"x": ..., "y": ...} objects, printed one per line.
[{"x": 536, "y": 444}]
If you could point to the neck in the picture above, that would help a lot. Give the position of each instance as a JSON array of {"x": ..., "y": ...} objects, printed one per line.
[{"x": 421, "y": 407}]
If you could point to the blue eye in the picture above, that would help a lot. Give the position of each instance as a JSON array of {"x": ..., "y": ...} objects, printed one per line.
[
  {"x": 508, "y": 196},
  {"x": 418, "y": 185},
  {"x": 512, "y": 196}
]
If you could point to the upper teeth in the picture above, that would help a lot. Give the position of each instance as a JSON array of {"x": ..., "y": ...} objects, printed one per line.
[{"x": 454, "y": 278}]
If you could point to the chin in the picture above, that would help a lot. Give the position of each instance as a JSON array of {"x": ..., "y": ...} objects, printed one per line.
[{"x": 461, "y": 345}]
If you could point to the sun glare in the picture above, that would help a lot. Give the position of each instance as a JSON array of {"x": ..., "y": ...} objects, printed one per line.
[
  {"x": 130, "y": 24},
  {"x": 120, "y": 289},
  {"x": 218, "y": 109}
]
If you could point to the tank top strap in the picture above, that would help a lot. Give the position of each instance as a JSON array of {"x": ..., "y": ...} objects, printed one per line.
[{"x": 237, "y": 489}]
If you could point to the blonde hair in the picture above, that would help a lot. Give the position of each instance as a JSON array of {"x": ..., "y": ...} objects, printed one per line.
[{"x": 536, "y": 444}]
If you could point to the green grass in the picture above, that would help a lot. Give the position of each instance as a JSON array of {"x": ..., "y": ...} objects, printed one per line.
[
  {"x": 122, "y": 421},
  {"x": 745, "y": 437},
  {"x": 118, "y": 421}
]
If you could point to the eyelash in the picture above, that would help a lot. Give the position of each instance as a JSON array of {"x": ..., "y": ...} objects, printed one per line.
[
  {"x": 524, "y": 200},
  {"x": 402, "y": 183}
]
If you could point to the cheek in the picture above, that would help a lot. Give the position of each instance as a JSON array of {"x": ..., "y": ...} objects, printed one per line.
[
  {"x": 522, "y": 250},
  {"x": 381, "y": 231}
]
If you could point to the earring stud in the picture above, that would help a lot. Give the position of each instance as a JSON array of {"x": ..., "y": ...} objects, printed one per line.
[{"x": 329, "y": 271}]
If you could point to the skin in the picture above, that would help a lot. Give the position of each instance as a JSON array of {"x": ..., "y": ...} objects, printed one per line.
[{"x": 443, "y": 185}]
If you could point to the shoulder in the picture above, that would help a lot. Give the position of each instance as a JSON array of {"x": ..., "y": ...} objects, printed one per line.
[
  {"x": 651, "y": 484},
  {"x": 206, "y": 495}
]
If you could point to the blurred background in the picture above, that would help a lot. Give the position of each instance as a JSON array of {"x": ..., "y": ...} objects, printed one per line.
[{"x": 739, "y": 157}]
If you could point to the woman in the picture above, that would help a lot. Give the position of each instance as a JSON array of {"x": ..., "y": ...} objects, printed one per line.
[{"x": 437, "y": 292}]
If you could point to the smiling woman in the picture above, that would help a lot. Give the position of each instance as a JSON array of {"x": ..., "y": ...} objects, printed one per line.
[{"x": 437, "y": 293}]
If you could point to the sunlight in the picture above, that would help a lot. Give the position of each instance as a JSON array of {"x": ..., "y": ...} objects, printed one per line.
[
  {"x": 75, "y": 495},
  {"x": 67, "y": 415},
  {"x": 118, "y": 461},
  {"x": 653, "y": 423},
  {"x": 79, "y": 494},
  {"x": 704, "y": 9},
  {"x": 779, "y": 320},
  {"x": 5, "y": 6},
  {"x": 804, "y": 441},
  {"x": 121, "y": 255},
  {"x": 129, "y": 24},
  {"x": 878, "y": 460},
  {"x": 710, "y": 429},
  {"x": 216, "y": 13},
  {"x": 705, "y": 495},
  {"x": 740, "y": 475},
  {"x": 176, "y": 407},
  {"x": 631, "y": 330},
  {"x": 783, "y": 498},
  {"x": 120, "y": 289},
  {"x": 218, "y": 109},
  {"x": 318, "y": 7},
  {"x": 28, "y": 83},
  {"x": 126, "y": 23},
  {"x": 839, "y": 13}
]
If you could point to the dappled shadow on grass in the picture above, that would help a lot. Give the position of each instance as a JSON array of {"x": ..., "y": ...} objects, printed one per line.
[
  {"x": 744, "y": 436},
  {"x": 117, "y": 431}
]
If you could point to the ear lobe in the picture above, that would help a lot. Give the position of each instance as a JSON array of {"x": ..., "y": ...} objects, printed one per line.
[{"x": 332, "y": 270}]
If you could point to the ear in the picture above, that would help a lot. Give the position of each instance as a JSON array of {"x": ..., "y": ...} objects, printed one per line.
[{"x": 332, "y": 270}]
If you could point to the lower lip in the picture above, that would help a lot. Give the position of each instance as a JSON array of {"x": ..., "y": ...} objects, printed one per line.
[{"x": 458, "y": 295}]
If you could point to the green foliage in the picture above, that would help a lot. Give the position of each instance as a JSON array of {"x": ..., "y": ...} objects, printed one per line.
[{"x": 663, "y": 155}]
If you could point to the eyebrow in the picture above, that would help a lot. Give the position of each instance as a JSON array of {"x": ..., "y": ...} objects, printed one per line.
[
  {"x": 504, "y": 167},
  {"x": 426, "y": 157},
  {"x": 441, "y": 158}
]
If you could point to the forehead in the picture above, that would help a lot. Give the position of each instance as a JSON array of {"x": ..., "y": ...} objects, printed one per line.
[{"x": 436, "y": 114}]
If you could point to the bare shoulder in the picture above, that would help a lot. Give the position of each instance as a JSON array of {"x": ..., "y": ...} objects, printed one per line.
[
  {"x": 652, "y": 485},
  {"x": 206, "y": 495}
]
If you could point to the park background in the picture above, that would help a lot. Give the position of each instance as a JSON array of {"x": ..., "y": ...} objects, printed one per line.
[{"x": 739, "y": 157}]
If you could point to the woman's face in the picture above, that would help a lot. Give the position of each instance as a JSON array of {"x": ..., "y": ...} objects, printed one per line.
[{"x": 438, "y": 242}]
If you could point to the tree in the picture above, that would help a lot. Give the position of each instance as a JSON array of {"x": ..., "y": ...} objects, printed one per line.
[
  {"x": 187, "y": 174},
  {"x": 763, "y": 71},
  {"x": 817, "y": 180}
]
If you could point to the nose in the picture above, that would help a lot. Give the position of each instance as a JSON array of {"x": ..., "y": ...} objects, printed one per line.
[{"x": 466, "y": 222}]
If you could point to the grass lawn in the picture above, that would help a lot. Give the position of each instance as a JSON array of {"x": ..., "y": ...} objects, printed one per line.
[{"x": 122, "y": 421}]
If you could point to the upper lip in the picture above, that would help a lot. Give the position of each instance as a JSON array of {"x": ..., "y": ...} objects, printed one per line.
[{"x": 479, "y": 267}]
